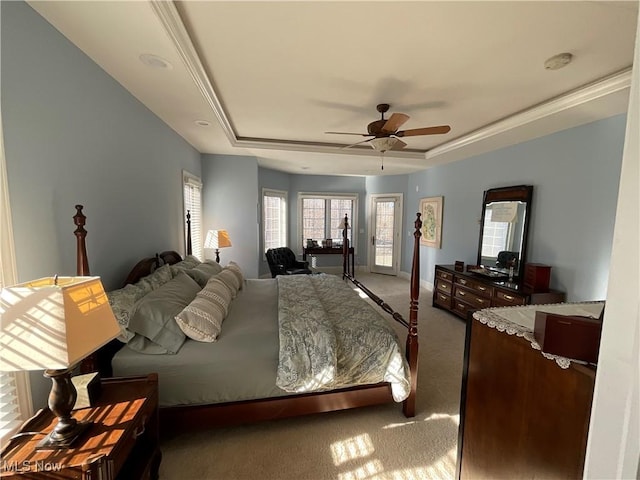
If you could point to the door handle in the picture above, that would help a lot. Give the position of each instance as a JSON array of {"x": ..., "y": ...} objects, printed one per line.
[{"x": 373, "y": 240}]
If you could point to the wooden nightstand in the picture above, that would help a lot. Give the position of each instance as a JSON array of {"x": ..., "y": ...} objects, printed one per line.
[{"x": 122, "y": 443}]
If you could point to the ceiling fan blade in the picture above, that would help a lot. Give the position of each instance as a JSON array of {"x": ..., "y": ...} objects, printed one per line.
[
  {"x": 349, "y": 133},
  {"x": 424, "y": 131},
  {"x": 357, "y": 143},
  {"x": 395, "y": 121},
  {"x": 399, "y": 145}
]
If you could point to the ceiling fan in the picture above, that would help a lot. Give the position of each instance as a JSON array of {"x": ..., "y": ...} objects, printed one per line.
[{"x": 385, "y": 135}]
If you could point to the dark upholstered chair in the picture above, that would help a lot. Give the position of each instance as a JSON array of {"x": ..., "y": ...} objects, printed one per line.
[
  {"x": 282, "y": 261},
  {"x": 505, "y": 258}
]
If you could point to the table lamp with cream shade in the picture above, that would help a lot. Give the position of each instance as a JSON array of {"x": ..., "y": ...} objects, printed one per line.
[
  {"x": 51, "y": 324},
  {"x": 217, "y": 239}
]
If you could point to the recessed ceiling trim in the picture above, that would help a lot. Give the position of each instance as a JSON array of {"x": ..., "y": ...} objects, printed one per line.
[
  {"x": 300, "y": 146},
  {"x": 170, "y": 19},
  {"x": 173, "y": 24},
  {"x": 600, "y": 88}
]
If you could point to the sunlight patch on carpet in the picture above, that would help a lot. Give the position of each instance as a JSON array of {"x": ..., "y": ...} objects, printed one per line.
[
  {"x": 435, "y": 416},
  {"x": 344, "y": 451}
]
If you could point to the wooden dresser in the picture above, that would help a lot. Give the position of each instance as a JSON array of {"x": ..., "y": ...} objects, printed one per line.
[
  {"x": 462, "y": 292},
  {"x": 522, "y": 415}
]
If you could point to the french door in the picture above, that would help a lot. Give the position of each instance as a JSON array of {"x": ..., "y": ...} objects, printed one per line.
[{"x": 386, "y": 223}]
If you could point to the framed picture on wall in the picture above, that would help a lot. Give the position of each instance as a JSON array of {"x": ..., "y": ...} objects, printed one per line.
[{"x": 431, "y": 210}]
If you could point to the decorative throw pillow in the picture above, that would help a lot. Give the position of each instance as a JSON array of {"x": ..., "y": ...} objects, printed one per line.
[
  {"x": 230, "y": 279},
  {"x": 202, "y": 319},
  {"x": 122, "y": 302},
  {"x": 158, "y": 277},
  {"x": 154, "y": 316}
]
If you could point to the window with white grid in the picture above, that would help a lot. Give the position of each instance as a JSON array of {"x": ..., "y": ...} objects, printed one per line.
[
  {"x": 321, "y": 215},
  {"x": 193, "y": 205},
  {"x": 15, "y": 395},
  {"x": 274, "y": 218}
]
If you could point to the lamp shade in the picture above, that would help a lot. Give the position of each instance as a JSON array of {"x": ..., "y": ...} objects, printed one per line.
[
  {"x": 217, "y": 239},
  {"x": 53, "y": 323}
]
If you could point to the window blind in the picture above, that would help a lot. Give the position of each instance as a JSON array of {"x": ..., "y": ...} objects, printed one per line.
[
  {"x": 193, "y": 204},
  {"x": 15, "y": 395},
  {"x": 274, "y": 219}
]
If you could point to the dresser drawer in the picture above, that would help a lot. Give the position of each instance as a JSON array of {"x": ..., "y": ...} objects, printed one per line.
[
  {"x": 442, "y": 299},
  {"x": 443, "y": 287},
  {"x": 461, "y": 308},
  {"x": 505, "y": 298},
  {"x": 470, "y": 297},
  {"x": 444, "y": 275},
  {"x": 481, "y": 289}
]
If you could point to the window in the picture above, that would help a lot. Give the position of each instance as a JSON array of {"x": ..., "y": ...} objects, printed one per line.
[
  {"x": 322, "y": 214},
  {"x": 193, "y": 205},
  {"x": 274, "y": 218},
  {"x": 495, "y": 235},
  {"x": 15, "y": 395}
]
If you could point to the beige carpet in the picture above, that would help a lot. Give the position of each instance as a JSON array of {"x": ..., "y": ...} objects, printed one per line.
[{"x": 373, "y": 443}]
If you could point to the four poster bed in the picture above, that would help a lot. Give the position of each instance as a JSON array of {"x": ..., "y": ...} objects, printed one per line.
[{"x": 259, "y": 363}]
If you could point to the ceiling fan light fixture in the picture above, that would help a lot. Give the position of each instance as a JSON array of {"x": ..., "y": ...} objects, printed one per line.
[{"x": 382, "y": 144}]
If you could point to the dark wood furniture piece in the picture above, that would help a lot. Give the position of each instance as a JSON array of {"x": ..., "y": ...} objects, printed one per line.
[
  {"x": 121, "y": 443},
  {"x": 332, "y": 251},
  {"x": 462, "y": 292},
  {"x": 521, "y": 415},
  {"x": 234, "y": 413}
]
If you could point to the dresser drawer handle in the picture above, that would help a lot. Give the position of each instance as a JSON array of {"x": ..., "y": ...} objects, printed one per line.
[
  {"x": 463, "y": 281},
  {"x": 481, "y": 288},
  {"x": 140, "y": 430},
  {"x": 462, "y": 294},
  {"x": 508, "y": 297},
  {"x": 443, "y": 287},
  {"x": 460, "y": 305},
  {"x": 445, "y": 276},
  {"x": 442, "y": 297},
  {"x": 479, "y": 300}
]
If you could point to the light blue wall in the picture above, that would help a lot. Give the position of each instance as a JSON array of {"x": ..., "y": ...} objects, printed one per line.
[
  {"x": 74, "y": 135},
  {"x": 230, "y": 201},
  {"x": 575, "y": 174}
]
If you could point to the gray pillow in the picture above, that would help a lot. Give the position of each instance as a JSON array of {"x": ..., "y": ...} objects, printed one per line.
[
  {"x": 203, "y": 272},
  {"x": 153, "y": 317}
]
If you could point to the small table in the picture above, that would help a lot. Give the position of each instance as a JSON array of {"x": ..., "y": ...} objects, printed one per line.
[
  {"x": 122, "y": 441},
  {"x": 331, "y": 251}
]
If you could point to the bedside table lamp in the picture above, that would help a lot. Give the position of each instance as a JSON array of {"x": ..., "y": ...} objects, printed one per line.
[
  {"x": 217, "y": 239},
  {"x": 51, "y": 324}
]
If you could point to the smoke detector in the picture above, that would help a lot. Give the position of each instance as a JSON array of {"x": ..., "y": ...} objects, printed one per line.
[{"x": 558, "y": 61}]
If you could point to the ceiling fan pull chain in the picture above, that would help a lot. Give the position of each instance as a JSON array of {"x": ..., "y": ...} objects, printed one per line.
[{"x": 382, "y": 157}]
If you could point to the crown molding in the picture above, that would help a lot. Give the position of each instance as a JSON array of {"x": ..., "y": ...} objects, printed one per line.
[
  {"x": 593, "y": 91},
  {"x": 173, "y": 25},
  {"x": 170, "y": 19}
]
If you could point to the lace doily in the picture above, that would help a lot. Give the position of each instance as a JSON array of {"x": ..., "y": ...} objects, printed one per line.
[{"x": 520, "y": 321}]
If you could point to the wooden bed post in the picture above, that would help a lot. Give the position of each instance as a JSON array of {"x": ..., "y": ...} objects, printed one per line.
[
  {"x": 345, "y": 248},
  {"x": 82, "y": 262},
  {"x": 409, "y": 407},
  {"x": 189, "y": 250},
  {"x": 89, "y": 363}
]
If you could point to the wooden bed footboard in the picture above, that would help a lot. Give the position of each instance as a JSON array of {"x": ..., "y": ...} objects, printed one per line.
[
  {"x": 234, "y": 413},
  {"x": 411, "y": 350}
]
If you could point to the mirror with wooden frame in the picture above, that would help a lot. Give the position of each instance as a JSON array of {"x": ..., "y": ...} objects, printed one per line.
[{"x": 504, "y": 229}]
